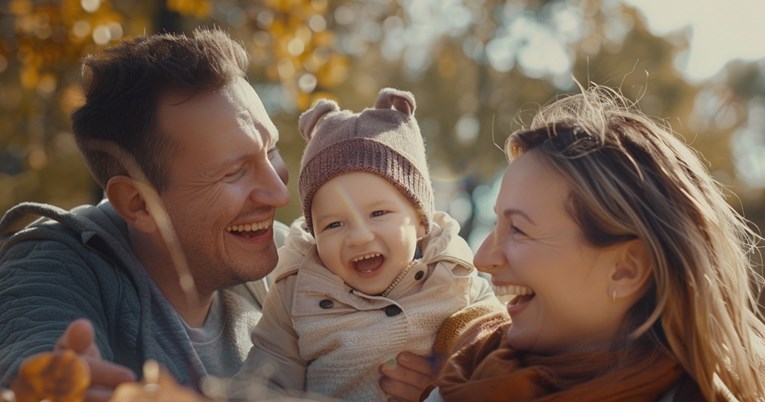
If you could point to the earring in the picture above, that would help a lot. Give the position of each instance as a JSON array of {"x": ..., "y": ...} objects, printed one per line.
[{"x": 613, "y": 296}]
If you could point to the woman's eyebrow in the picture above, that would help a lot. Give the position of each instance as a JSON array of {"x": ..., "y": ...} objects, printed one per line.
[{"x": 509, "y": 212}]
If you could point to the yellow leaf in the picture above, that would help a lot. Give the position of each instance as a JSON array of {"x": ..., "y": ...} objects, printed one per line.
[
  {"x": 20, "y": 7},
  {"x": 29, "y": 77},
  {"x": 334, "y": 72}
]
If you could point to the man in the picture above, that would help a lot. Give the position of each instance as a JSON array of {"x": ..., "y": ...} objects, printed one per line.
[
  {"x": 187, "y": 157},
  {"x": 170, "y": 267}
]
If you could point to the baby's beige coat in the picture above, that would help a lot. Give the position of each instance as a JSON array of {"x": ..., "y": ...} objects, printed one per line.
[{"x": 319, "y": 335}]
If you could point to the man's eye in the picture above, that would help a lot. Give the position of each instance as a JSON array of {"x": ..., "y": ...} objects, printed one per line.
[
  {"x": 235, "y": 174},
  {"x": 377, "y": 213},
  {"x": 514, "y": 230},
  {"x": 273, "y": 153}
]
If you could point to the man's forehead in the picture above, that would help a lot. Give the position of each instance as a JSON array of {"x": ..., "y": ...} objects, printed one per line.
[{"x": 251, "y": 110}]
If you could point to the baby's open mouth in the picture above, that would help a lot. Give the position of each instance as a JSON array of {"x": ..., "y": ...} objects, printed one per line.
[{"x": 368, "y": 262}]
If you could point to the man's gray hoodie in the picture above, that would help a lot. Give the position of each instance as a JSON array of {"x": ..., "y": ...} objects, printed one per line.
[{"x": 79, "y": 264}]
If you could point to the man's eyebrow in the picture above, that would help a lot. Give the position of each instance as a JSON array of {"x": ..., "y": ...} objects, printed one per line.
[{"x": 245, "y": 117}]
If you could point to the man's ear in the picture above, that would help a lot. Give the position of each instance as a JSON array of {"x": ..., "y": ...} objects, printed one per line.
[
  {"x": 632, "y": 271},
  {"x": 129, "y": 201}
]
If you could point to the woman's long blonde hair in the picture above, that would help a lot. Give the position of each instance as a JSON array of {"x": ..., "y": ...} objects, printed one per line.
[{"x": 632, "y": 178}]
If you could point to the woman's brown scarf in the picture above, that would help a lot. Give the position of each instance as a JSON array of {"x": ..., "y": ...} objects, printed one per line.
[{"x": 488, "y": 370}]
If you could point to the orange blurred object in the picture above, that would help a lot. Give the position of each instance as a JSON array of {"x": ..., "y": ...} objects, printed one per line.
[
  {"x": 52, "y": 376},
  {"x": 157, "y": 386}
]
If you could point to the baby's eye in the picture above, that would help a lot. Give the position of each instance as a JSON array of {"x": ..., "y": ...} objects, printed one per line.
[
  {"x": 377, "y": 213},
  {"x": 333, "y": 225}
]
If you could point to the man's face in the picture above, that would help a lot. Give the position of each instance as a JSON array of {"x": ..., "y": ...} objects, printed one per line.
[{"x": 226, "y": 179}]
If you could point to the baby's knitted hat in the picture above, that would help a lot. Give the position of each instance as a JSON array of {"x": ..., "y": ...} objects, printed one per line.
[{"x": 384, "y": 140}]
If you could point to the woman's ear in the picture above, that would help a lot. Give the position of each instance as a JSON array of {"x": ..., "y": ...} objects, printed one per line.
[
  {"x": 129, "y": 201},
  {"x": 631, "y": 272}
]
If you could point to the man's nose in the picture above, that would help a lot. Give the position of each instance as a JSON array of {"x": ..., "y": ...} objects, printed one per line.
[{"x": 270, "y": 189}]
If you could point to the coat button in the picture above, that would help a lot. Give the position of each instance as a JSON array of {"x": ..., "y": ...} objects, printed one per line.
[
  {"x": 392, "y": 310},
  {"x": 419, "y": 275},
  {"x": 326, "y": 303}
]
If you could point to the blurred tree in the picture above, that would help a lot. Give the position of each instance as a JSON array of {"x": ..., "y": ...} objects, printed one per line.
[
  {"x": 479, "y": 70},
  {"x": 42, "y": 43}
]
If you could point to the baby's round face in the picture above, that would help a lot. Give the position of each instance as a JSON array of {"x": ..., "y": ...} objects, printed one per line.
[{"x": 366, "y": 230}]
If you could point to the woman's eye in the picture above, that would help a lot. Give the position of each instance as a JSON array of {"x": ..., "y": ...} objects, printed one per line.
[
  {"x": 514, "y": 230},
  {"x": 378, "y": 213}
]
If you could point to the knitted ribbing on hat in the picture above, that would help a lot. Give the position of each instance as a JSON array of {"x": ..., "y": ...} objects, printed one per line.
[{"x": 384, "y": 140}]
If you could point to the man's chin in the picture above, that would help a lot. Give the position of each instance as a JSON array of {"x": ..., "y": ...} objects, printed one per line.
[{"x": 255, "y": 273}]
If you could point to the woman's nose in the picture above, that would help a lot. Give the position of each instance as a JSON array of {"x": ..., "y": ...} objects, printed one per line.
[{"x": 488, "y": 258}]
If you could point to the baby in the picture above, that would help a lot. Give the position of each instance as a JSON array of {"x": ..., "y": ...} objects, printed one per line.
[{"x": 370, "y": 270}]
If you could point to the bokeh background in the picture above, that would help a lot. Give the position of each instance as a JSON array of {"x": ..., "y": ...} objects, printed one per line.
[{"x": 479, "y": 69}]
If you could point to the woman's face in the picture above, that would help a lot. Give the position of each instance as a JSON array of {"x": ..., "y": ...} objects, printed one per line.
[{"x": 537, "y": 252}]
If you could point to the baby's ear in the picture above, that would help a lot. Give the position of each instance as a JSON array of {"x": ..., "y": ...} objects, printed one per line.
[
  {"x": 403, "y": 101},
  {"x": 309, "y": 118}
]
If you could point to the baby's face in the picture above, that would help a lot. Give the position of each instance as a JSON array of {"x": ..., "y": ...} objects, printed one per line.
[{"x": 366, "y": 230}]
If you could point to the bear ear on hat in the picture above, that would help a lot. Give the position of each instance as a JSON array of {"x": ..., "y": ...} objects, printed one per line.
[
  {"x": 310, "y": 118},
  {"x": 403, "y": 101}
]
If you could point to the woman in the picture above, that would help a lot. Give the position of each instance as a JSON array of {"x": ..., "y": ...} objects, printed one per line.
[{"x": 632, "y": 274}]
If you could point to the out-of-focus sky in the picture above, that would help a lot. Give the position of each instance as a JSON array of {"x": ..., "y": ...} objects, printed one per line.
[
  {"x": 719, "y": 31},
  {"x": 722, "y": 30}
]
